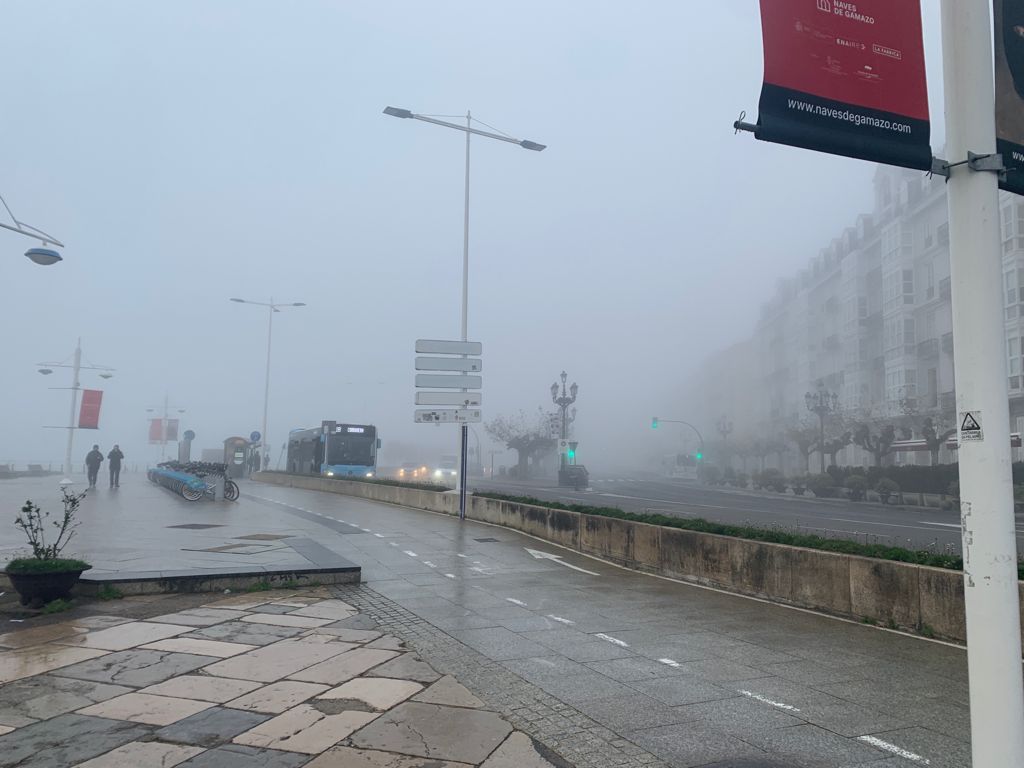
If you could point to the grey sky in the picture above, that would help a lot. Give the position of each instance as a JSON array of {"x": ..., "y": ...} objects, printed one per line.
[{"x": 191, "y": 151}]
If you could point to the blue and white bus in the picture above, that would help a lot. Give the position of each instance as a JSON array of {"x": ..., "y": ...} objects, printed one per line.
[{"x": 334, "y": 450}]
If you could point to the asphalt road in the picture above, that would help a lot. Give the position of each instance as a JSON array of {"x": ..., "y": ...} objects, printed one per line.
[{"x": 869, "y": 523}]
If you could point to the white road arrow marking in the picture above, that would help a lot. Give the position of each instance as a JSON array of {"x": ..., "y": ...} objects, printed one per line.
[{"x": 558, "y": 559}]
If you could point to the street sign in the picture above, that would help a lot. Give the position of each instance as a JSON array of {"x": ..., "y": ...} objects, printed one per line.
[
  {"x": 440, "y": 381},
  {"x": 190, "y": 435},
  {"x": 464, "y": 364},
  {"x": 465, "y": 399},
  {"x": 449, "y": 416},
  {"x": 254, "y": 437},
  {"x": 437, "y": 347}
]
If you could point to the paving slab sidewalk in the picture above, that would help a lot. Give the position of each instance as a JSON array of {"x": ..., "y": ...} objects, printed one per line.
[{"x": 237, "y": 681}]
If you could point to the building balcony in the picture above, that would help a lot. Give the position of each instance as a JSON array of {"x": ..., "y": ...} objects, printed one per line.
[{"x": 928, "y": 348}]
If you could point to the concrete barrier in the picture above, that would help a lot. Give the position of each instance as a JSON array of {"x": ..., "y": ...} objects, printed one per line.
[{"x": 912, "y": 597}]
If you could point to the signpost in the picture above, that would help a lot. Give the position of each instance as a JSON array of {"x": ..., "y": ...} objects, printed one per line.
[
  {"x": 449, "y": 416},
  {"x": 464, "y": 399},
  {"x": 461, "y": 359}
]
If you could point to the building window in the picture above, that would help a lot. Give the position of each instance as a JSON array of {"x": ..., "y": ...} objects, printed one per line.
[
  {"x": 944, "y": 234},
  {"x": 933, "y": 388},
  {"x": 908, "y": 286},
  {"x": 909, "y": 332},
  {"x": 1007, "y": 218},
  {"x": 1010, "y": 282}
]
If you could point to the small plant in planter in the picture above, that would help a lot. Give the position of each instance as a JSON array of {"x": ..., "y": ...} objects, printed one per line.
[
  {"x": 46, "y": 575},
  {"x": 798, "y": 484},
  {"x": 886, "y": 489},
  {"x": 822, "y": 486},
  {"x": 773, "y": 480},
  {"x": 857, "y": 486}
]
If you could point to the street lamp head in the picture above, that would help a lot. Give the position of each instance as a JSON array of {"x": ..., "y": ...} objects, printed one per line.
[
  {"x": 554, "y": 390},
  {"x": 397, "y": 112},
  {"x": 525, "y": 144},
  {"x": 564, "y": 377},
  {"x": 238, "y": 301},
  {"x": 43, "y": 256},
  {"x": 573, "y": 390},
  {"x": 46, "y": 371},
  {"x": 299, "y": 304},
  {"x": 106, "y": 375},
  {"x": 809, "y": 400}
]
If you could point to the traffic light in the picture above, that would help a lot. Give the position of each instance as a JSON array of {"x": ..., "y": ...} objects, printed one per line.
[
  {"x": 698, "y": 455},
  {"x": 654, "y": 422},
  {"x": 571, "y": 453}
]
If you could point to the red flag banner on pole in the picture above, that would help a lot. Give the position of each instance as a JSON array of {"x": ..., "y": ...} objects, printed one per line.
[
  {"x": 1008, "y": 19},
  {"x": 172, "y": 430},
  {"x": 156, "y": 431},
  {"x": 89, "y": 413},
  {"x": 847, "y": 78}
]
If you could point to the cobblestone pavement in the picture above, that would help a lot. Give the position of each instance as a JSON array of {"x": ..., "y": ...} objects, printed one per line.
[{"x": 269, "y": 679}]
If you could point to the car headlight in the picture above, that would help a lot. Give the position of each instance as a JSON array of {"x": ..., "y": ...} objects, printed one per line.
[
  {"x": 369, "y": 474},
  {"x": 437, "y": 473},
  {"x": 330, "y": 474}
]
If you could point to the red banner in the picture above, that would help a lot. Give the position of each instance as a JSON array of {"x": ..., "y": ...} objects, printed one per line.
[
  {"x": 1008, "y": 18},
  {"x": 846, "y": 78},
  {"x": 89, "y": 413},
  {"x": 157, "y": 433}
]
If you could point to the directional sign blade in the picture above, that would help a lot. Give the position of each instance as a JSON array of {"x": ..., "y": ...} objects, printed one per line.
[
  {"x": 440, "y": 381},
  {"x": 465, "y": 399},
  {"x": 448, "y": 416},
  {"x": 438, "y": 347},
  {"x": 464, "y": 364}
]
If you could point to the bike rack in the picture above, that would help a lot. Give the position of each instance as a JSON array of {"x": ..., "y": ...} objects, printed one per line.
[{"x": 189, "y": 480}]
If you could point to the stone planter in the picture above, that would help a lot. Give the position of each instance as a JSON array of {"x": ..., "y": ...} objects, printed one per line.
[{"x": 36, "y": 589}]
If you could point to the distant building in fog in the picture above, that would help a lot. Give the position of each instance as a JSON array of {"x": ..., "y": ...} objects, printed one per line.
[{"x": 870, "y": 319}]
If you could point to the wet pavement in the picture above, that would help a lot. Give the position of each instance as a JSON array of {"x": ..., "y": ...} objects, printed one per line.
[
  {"x": 604, "y": 666},
  {"x": 73, "y": 697}
]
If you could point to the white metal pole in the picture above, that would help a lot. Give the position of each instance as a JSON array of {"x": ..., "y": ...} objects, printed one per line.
[
  {"x": 163, "y": 429},
  {"x": 986, "y": 486},
  {"x": 266, "y": 389},
  {"x": 74, "y": 406}
]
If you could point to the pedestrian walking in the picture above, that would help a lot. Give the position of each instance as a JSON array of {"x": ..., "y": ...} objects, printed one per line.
[
  {"x": 254, "y": 463},
  {"x": 93, "y": 459},
  {"x": 116, "y": 457}
]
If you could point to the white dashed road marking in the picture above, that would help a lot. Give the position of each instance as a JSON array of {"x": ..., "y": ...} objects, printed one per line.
[
  {"x": 670, "y": 663},
  {"x": 765, "y": 700},
  {"x": 449, "y": 575},
  {"x": 560, "y": 620},
  {"x": 894, "y": 749},
  {"x": 516, "y": 602},
  {"x": 429, "y": 564},
  {"x": 612, "y": 640},
  {"x": 410, "y": 553}
]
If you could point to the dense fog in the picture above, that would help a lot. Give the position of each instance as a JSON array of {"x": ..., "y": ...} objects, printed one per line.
[{"x": 191, "y": 152}]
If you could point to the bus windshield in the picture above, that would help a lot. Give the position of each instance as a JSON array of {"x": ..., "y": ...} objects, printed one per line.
[{"x": 351, "y": 450}]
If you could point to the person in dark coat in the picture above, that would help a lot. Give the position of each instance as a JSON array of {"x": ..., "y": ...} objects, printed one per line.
[
  {"x": 116, "y": 457},
  {"x": 93, "y": 459}
]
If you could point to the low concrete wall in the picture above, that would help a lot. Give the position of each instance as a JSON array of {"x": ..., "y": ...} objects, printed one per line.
[{"x": 914, "y": 597}]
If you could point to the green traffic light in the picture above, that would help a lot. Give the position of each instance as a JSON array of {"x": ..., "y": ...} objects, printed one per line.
[
  {"x": 700, "y": 456},
  {"x": 654, "y": 422}
]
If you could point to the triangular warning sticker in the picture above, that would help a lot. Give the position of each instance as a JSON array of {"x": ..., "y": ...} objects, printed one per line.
[{"x": 970, "y": 423}]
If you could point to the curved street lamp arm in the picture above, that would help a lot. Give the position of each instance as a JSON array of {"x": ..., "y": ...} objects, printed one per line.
[
  {"x": 30, "y": 231},
  {"x": 700, "y": 437}
]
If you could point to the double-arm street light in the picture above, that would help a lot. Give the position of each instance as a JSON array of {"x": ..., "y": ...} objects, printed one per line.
[
  {"x": 563, "y": 402},
  {"x": 469, "y": 130},
  {"x": 76, "y": 368},
  {"x": 823, "y": 403},
  {"x": 271, "y": 309},
  {"x": 43, "y": 256},
  {"x": 167, "y": 408}
]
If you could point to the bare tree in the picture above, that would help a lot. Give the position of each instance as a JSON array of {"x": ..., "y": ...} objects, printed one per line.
[
  {"x": 877, "y": 443},
  {"x": 805, "y": 438},
  {"x": 835, "y": 444},
  {"x": 935, "y": 437},
  {"x": 526, "y": 435}
]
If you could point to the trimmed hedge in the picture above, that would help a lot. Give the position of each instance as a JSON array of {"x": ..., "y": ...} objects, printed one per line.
[
  {"x": 914, "y": 479},
  {"x": 769, "y": 535}
]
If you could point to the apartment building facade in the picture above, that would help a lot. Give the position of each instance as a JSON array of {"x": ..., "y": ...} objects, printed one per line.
[{"x": 869, "y": 318}]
